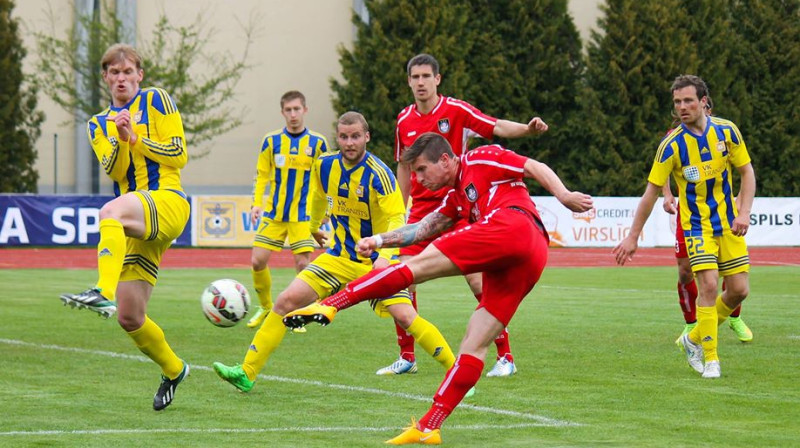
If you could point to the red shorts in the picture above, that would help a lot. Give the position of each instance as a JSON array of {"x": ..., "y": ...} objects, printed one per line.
[
  {"x": 680, "y": 241},
  {"x": 419, "y": 210},
  {"x": 509, "y": 248}
]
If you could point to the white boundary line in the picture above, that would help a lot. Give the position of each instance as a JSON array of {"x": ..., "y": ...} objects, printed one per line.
[
  {"x": 538, "y": 419},
  {"x": 249, "y": 430}
]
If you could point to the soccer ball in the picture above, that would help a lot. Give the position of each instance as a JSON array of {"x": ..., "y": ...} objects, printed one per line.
[{"x": 225, "y": 302}]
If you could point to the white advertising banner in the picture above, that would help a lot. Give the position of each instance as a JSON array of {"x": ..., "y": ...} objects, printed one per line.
[{"x": 773, "y": 222}]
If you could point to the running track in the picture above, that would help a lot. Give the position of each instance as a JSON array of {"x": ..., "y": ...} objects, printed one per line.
[{"x": 82, "y": 258}]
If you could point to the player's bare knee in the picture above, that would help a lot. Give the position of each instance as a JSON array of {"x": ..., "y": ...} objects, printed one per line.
[
  {"x": 110, "y": 211},
  {"x": 286, "y": 303},
  {"x": 129, "y": 323},
  {"x": 300, "y": 264},
  {"x": 403, "y": 314},
  {"x": 258, "y": 263}
]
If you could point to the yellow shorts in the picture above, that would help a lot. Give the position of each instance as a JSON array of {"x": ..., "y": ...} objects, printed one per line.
[
  {"x": 328, "y": 274},
  {"x": 726, "y": 253},
  {"x": 272, "y": 234},
  {"x": 165, "y": 216}
]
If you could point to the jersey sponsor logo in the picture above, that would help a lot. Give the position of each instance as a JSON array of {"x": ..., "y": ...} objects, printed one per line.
[
  {"x": 444, "y": 125},
  {"x": 411, "y": 134},
  {"x": 472, "y": 193},
  {"x": 280, "y": 160},
  {"x": 351, "y": 208},
  {"x": 137, "y": 117},
  {"x": 691, "y": 173},
  {"x": 294, "y": 150}
]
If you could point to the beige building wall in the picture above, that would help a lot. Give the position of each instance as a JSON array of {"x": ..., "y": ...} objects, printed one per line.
[{"x": 294, "y": 47}]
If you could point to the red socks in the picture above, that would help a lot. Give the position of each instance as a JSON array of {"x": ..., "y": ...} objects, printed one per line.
[
  {"x": 687, "y": 297},
  {"x": 377, "y": 284},
  {"x": 405, "y": 340},
  {"x": 464, "y": 374}
]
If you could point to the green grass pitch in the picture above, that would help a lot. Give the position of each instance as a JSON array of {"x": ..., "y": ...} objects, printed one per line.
[{"x": 594, "y": 348}]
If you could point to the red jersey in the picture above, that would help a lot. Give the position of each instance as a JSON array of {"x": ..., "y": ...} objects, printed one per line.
[
  {"x": 489, "y": 178},
  {"x": 453, "y": 119}
]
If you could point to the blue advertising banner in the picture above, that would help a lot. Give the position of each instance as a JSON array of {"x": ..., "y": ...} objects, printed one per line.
[{"x": 63, "y": 220}]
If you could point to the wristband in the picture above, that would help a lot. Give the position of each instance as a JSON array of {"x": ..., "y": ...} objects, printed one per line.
[{"x": 378, "y": 241}]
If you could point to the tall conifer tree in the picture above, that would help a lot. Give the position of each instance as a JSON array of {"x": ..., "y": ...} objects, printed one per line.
[{"x": 19, "y": 120}]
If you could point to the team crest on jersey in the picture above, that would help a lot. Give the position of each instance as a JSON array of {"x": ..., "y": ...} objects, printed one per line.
[
  {"x": 309, "y": 151},
  {"x": 280, "y": 160},
  {"x": 444, "y": 125},
  {"x": 360, "y": 191},
  {"x": 472, "y": 193},
  {"x": 137, "y": 117},
  {"x": 691, "y": 173},
  {"x": 721, "y": 146}
]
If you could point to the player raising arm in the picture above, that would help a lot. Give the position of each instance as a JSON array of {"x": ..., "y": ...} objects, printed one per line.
[
  {"x": 456, "y": 120},
  {"x": 486, "y": 189}
]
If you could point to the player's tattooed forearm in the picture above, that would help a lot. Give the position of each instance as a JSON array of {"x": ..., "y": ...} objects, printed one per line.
[
  {"x": 404, "y": 236},
  {"x": 429, "y": 226}
]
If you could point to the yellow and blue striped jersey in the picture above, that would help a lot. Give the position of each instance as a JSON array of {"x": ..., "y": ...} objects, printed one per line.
[
  {"x": 361, "y": 201},
  {"x": 154, "y": 162},
  {"x": 285, "y": 163},
  {"x": 701, "y": 166}
]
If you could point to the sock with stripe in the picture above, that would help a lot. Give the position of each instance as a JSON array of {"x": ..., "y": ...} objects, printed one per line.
[
  {"x": 376, "y": 284},
  {"x": 150, "y": 340},
  {"x": 267, "y": 339},
  {"x": 464, "y": 374},
  {"x": 110, "y": 256},
  {"x": 687, "y": 299}
]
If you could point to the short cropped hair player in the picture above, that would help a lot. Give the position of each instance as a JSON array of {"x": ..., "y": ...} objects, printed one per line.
[
  {"x": 486, "y": 189},
  {"x": 140, "y": 143}
]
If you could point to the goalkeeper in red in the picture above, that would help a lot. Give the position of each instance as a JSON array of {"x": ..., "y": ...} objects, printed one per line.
[{"x": 487, "y": 190}]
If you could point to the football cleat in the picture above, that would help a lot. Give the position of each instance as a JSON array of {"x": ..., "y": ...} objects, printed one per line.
[
  {"x": 398, "y": 367},
  {"x": 412, "y": 435},
  {"x": 92, "y": 300},
  {"x": 321, "y": 314},
  {"x": 257, "y": 318},
  {"x": 503, "y": 367},
  {"x": 686, "y": 329},
  {"x": 712, "y": 370},
  {"x": 741, "y": 329},
  {"x": 166, "y": 390},
  {"x": 693, "y": 352},
  {"x": 234, "y": 375}
]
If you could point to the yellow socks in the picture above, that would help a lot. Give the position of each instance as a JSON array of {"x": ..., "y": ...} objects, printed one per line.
[
  {"x": 723, "y": 312},
  {"x": 110, "y": 255},
  {"x": 151, "y": 341},
  {"x": 705, "y": 332},
  {"x": 431, "y": 340},
  {"x": 262, "y": 281},
  {"x": 267, "y": 339}
]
